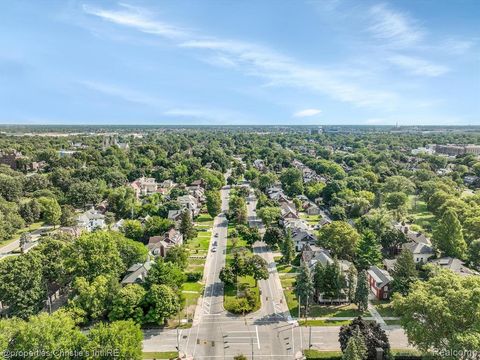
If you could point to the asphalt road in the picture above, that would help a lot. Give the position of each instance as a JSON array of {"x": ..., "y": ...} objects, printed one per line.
[{"x": 16, "y": 244}]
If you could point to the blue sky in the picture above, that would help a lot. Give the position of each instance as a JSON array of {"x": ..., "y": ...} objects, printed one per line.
[{"x": 220, "y": 62}]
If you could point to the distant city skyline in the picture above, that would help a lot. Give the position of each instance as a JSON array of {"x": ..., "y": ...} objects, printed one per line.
[{"x": 269, "y": 62}]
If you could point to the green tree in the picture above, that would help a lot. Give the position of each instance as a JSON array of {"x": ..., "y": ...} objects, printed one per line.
[
  {"x": 405, "y": 273},
  {"x": 373, "y": 336},
  {"x": 292, "y": 181},
  {"x": 448, "y": 236},
  {"x": 155, "y": 225},
  {"x": 81, "y": 194},
  {"x": 127, "y": 304},
  {"x": 177, "y": 255},
  {"x": 257, "y": 268},
  {"x": 339, "y": 237},
  {"x": 22, "y": 287},
  {"x": 474, "y": 253},
  {"x": 227, "y": 276},
  {"x": 304, "y": 287},
  {"x": 11, "y": 188},
  {"x": 165, "y": 273},
  {"x": 356, "y": 348},
  {"x": 352, "y": 283},
  {"x": 329, "y": 280},
  {"x": 51, "y": 211},
  {"x": 273, "y": 236},
  {"x": 30, "y": 211},
  {"x": 447, "y": 305},
  {"x": 269, "y": 215},
  {"x": 120, "y": 340},
  {"x": 288, "y": 249},
  {"x": 68, "y": 217},
  {"x": 361, "y": 292},
  {"x": 161, "y": 302},
  {"x": 186, "y": 225},
  {"x": 95, "y": 254},
  {"x": 133, "y": 229},
  {"x": 368, "y": 252},
  {"x": 56, "y": 333},
  {"x": 214, "y": 202},
  {"x": 94, "y": 298},
  {"x": 121, "y": 201}
]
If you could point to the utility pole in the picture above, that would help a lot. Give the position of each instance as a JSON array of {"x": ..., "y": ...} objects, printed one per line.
[
  {"x": 310, "y": 338},
  {"x": 251, "y": 340},
  {"x": 178, "y": 335},
  {"x": 299, "y": 306}
]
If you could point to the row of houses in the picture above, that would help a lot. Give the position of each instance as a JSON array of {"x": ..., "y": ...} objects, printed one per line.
[
  {"x": 422, "y": 252},
  {"x": 309, "y": 175}
]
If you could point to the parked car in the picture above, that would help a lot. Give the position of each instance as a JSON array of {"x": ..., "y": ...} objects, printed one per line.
[{"x": 214, "y": 249}]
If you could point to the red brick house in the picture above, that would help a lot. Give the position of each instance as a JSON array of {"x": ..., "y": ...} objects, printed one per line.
[{"x": 380, "y": 282}]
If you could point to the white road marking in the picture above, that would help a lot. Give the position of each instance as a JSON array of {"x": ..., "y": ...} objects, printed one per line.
[{"x": 258, "y": 339}]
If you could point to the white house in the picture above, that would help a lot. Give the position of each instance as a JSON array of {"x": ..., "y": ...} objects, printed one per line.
[{"x": 91, "y": 220}]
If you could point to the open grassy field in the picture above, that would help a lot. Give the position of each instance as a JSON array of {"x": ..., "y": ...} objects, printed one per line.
[{"x": 423, "y": 218}]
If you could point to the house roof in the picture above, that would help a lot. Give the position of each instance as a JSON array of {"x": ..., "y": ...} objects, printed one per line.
[
  {"x": 137, "y": 272},
  {"x": 419, "y": 248},
  {"x": 382, "y": 277},
  {"x": 455, "y": 265}
]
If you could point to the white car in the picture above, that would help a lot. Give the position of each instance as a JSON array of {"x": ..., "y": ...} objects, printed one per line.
[{"x": 214, "y": 249}]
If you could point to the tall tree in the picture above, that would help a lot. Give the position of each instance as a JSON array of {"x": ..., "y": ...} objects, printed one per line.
[
  {"x": 356, "y": 348},
  {"x": 94, "y": 299},
  {"x": 288, "y": 248},
  {"x": 269, "y": 214},
  {"x": 352, "y": 283},
  {"x": 448, "y": 236},
  {"x": 304, "y": 287},
  {"x": 405, "y": 272},
  {"x": 273, "y": 236},
  {"x": 165, "y": 273},
  {"x": 162, "y": 302},
  {"x": 51, "y": 211},
  {"x": 22, "y": 286},
  {"x": 121, "y": 338},
  {"x": 361, "y": 292},
  {"x": 368, "y": 252},
  {"x": 178, "y": 255},
  {"x": 127, "y": 304},
  {"x": 258, "y": 268},
  {"x": 373, "y": 335},
  {"x": 186, "y": 225},
  {"x": 339, "y": 237},
  {"x": 214, "y": 202}
]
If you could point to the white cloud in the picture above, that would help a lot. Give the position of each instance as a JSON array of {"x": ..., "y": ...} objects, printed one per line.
[
  {"x": 139, "y": 19},
  {"x": 418, "y": 66},
  {"x": 307, "y": 112},
  {"x": 394, "y": 27},
  {"x": 253, "y": 60}
]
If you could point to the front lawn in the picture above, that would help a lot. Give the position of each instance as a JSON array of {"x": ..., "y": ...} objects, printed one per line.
[
  {"x": 385, "y": 308},
  {"x": 347, "y": 310}
]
